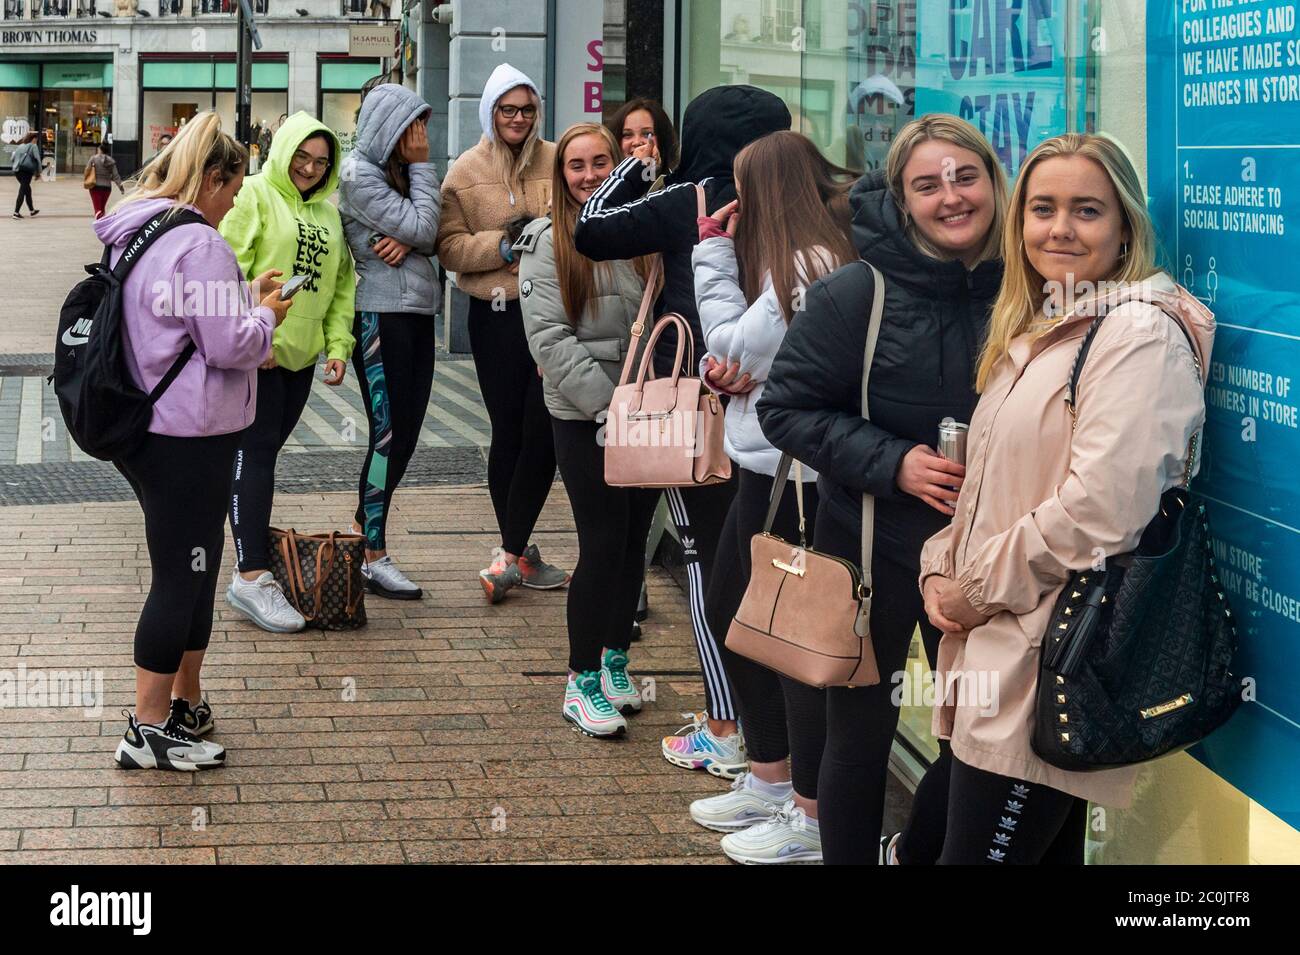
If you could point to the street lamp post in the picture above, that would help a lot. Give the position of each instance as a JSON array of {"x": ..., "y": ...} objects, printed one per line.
[{"x": 248, "y": 38}]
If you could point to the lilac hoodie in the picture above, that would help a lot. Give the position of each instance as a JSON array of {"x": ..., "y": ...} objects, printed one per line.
[{"x": 164, "y": 308}]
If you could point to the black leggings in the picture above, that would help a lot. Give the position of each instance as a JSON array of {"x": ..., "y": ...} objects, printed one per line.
[
  {"x": 699, "y": 513},
  {"x": 860, "y": 722},
  {"x": 612, "y": 525},
  {"x": 393, "y": 362},
  {"x": 781, "y": 717},
  {"x": 521, "y": 460},
  {"x": 24, "y": 191},
  {"x": 281, "y": 396},
  {"x": 183, "y": 485}
]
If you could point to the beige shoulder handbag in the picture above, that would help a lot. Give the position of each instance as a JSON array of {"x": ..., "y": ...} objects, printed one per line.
[
  {"x": 663, "y": 432},
  {"x": 805, "y": 614}
]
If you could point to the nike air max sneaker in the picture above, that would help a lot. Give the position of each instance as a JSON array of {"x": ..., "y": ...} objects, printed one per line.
[
  {"x": 695, "y": 747},
  {"x": 744, "y": 805},
  {"x": 617, "y": 685},
  {"x": 787, "y": 837},
  {"x": 587, "y": 708}
]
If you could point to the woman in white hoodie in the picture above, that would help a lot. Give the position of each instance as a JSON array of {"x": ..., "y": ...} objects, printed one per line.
[{"x": 751, "y": 270}]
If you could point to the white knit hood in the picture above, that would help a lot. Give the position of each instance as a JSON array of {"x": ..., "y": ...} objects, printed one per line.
[{"x": 503, "y": 79}]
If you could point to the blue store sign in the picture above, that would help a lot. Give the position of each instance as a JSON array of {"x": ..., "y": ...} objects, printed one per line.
[{"x": 1223, "y": 150}]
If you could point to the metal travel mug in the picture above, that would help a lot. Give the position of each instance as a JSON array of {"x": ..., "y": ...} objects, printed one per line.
[{"x": 952, "y": 440}]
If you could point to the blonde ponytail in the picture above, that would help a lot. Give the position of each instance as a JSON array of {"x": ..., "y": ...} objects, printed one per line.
[{"x": 178, "y": 171}]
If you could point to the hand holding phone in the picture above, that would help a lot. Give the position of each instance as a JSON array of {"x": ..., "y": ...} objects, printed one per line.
[{"x": 293, "y": 286}]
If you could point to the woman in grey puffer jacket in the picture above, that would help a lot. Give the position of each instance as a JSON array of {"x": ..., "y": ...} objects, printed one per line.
[
  {"x": 389, "y": 201},
  {"x": 578, "y": 317}
]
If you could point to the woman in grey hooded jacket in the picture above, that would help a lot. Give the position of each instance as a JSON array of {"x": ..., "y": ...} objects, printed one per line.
[
  {"x": 578, "y": 317},
  {"x": 390, "y": 202}
]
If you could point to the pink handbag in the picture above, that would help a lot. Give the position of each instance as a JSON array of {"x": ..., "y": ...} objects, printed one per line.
[{"x": 663, "y": 432}]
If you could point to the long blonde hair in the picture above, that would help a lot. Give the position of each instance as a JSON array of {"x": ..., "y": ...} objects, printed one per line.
[
  {"x": 1023, "y": 292},
  {"x": 178, "y": 171},
  {"x": 510, "y": 165},
  {"x": 958, "y": 132},
  {"x": 575, "y": 272}
]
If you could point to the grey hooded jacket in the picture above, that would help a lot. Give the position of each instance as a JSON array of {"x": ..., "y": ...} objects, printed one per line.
[
  {"x": 370, "y": 206},
  {"x": 580, "y": 361}
]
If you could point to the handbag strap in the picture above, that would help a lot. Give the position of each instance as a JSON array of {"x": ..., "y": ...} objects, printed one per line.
[
  {"x": 1076, "y": 372},
  {"x": 638, "y": 327},
  {"x": 783, "y": 466},
  {"x": 869, "y": 356}
]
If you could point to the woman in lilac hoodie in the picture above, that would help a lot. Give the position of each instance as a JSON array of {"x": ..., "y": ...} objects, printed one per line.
[{"x": 186, "y": 288}]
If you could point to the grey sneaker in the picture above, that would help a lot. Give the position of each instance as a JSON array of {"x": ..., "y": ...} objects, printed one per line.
[
  {"x": 537, "y": 573},
  {"x": 384, "y": 579},
  {"x": 499, "y": 579},
  {"x": 262, "y": 602},
  {"x": 197, "y": 720}
]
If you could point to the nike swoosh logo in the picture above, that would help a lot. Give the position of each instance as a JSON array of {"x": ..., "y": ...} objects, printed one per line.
[{"x": 71, "y": 339}]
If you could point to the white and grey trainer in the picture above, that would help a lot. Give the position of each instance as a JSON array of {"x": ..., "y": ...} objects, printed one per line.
[
  {"x": 787, "y": 837},
  {"x": 170, "y": 746},
  {"x": 384, "y": 579},
  {"x": 262, "y": 602},
  {"x": 739, "y": 808}
]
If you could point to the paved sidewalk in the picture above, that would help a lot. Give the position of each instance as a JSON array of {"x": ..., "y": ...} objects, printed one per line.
[{"x": 452, "y": 750}]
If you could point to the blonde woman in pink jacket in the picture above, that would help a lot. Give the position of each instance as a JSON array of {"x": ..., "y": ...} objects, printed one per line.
[{"x": 1047, "y": 493}]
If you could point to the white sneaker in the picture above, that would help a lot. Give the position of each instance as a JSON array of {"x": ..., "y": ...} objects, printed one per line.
[
  {"x": 586, "y": 707},
  {"x": 787, "y": 837},
  {"x": 617, "y": 685},
  {"x": 740, "y": 808},
  {"x": 170, "y": 746},
  {"x": 384, "y": 580},
  {"x": 262, "y": 602},
  {"x": 695, "y": 747}
]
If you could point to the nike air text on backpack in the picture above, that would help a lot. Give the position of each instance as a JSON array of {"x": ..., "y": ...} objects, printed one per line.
[{"x": 106, "y": 414}]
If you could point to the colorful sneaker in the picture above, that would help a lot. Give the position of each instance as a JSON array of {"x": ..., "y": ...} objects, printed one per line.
[
  {"x": 587, "y": 708},
  {"x": 500, "y": 577},
  {"x": 383, "y": 579},
  {"x": 742, "y": 807},
  {"x": 695, "y": 747},
  {"x": 787, "y": 837},
  {"x": 197, "y": 720},
  {"x": 538, "y": 574},
  {"x": 617, "y": 685},
  {"x": 170, "y": 746}
]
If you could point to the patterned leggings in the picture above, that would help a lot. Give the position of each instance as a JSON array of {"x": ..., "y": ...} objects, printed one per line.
[{"x": 394, "y": 367}]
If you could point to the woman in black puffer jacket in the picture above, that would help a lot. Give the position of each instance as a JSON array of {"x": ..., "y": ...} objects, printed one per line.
[{"x": 932, "y": 224}]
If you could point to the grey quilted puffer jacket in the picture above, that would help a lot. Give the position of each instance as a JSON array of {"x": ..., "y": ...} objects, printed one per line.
[{"x": 369, "y": 205}]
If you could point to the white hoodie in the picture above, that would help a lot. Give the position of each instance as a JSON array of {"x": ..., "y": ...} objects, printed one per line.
[{"x": 503, "y": 79}]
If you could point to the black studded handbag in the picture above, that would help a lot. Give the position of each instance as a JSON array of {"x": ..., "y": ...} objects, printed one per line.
[{"x": 1137, "y": 659}]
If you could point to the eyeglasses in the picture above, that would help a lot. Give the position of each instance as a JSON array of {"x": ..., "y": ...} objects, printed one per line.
[
  {"x": 306, "y": 160},
  {"x": 510, "y": 112}
]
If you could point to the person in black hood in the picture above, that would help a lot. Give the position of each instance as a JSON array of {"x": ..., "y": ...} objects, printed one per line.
[
  {"x": 932, "y": 224},
  {"x": 623, "y": 220}
]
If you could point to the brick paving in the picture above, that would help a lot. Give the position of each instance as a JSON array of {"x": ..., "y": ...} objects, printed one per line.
[{"x": 453, "y": 748}]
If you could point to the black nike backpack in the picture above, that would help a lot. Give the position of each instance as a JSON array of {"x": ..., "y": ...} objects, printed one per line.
[{"x": 106, "y": 414}]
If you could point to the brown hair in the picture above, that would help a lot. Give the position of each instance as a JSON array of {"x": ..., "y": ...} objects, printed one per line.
[
  {"x": 793, "y": 201},
  {"x": 665, "y": 135},
  {"x": 575, "y": 272}
]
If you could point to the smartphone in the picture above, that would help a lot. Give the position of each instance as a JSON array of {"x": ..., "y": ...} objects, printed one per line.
[{"x": 293, "y": 287}]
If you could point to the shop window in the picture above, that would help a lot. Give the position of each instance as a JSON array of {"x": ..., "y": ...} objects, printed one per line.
[
  {"x": 55, "y": 8},
  {"x": 15, "y": 9}
]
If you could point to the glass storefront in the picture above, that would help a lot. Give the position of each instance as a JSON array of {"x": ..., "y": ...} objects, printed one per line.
[
  {"x": 69, "y": 104},
  {"x": 340, "y": 82},
  {"x": 173, "y": 91},
  {"x": 1206, "y": 99}
]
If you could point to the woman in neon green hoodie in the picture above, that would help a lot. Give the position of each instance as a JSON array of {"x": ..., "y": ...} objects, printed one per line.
[{"x": 283, "y": 220}]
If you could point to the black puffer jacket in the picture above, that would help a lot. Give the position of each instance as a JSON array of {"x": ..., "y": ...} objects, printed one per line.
[
  {"x": 620, "y": 221},
  {"x": 935, "y": 316}
]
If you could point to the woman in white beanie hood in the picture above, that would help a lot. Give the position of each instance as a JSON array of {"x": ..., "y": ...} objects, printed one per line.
[{"x": 500, "y": 184}]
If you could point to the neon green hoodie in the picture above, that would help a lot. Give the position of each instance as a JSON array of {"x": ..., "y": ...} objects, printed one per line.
[{"x": 272, "y": 227}]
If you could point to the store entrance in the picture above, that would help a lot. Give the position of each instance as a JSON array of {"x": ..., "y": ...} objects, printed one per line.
[{"x": 75, "y": 122}]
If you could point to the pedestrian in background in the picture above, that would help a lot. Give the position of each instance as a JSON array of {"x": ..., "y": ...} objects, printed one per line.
[
  {"x": 578, "y": 316},
  {"x": 389, "y": 200},
  {"x": 506, "y": 177},
  {"x": 931, "y": 222},
  {"x": 101, "y": 176},
  {"x": 26, "y": 166},
  {"x": 624, "y": 220},
  {"x": 180, "y": 473},
  {"x": 283, "y": 220}
]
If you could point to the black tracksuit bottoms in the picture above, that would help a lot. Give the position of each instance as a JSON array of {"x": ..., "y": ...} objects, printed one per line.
[
  {"x": 780, "y": 717},
  {"x": 183, "y": 486},
  {"x": 521, "y": 459},
  {"x": 281, "y": 396},
  {"x": 612, "y": 525}
]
